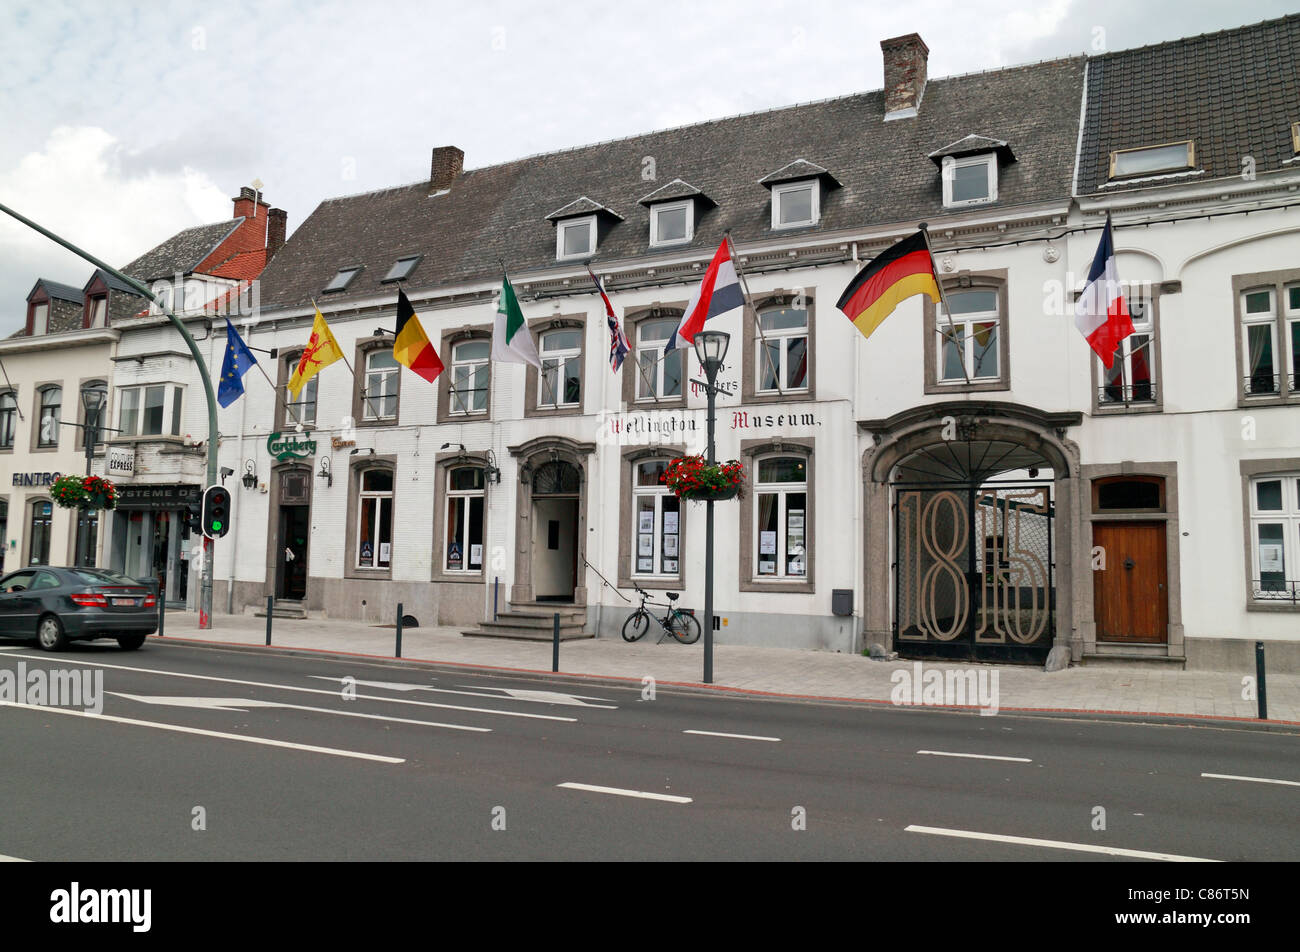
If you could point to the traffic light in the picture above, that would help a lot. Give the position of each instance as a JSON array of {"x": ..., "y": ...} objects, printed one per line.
[
  {"x": 216, "y": 512},
  {"x": 192, "y": 515}
]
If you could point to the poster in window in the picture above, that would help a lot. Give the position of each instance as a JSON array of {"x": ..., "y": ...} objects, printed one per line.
[
  {"x": 384, "y": 548},
  {"x": 766, "y": 568},
  {"x": 453, "y": 555},
  {"x": 796, "y": 519},
  {"x": 646, "y": 522},
  {"x": 795, "y": 567},
  {"x": 670, "y": 523},
  {"x": 645, "y": 545},
  {"x": 767, "y": 542},
  {"x": 367, "y": 554},
  {"x": 670, "y": 546},
  {"x": 1270, "y": 557},
  {"x": 645, "y": 565},
  {"x": 476, "y": 556},
  {"x": 670, "y": 566}
]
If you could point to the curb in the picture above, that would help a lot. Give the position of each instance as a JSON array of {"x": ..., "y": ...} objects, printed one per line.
[{"x": 1154, "y": 718}]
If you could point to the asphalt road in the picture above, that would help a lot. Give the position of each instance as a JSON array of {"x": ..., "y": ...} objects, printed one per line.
[{"x": 428, "y": 763}]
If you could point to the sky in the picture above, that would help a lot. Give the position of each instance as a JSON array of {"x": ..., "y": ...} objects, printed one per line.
[{"x": 122, "y": 123}]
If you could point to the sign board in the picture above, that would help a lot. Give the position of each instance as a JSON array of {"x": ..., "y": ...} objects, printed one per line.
[
  {"x": 289, "y": 447},
  {"x": 120, "y": 461},
  {"x": 176, "y": 496}
]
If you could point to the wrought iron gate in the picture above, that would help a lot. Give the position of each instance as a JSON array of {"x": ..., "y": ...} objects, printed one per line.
[{"x": 973, "y": 571}]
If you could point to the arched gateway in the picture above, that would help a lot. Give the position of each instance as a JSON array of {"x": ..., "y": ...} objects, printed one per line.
[{"x": 962, "y": 504}]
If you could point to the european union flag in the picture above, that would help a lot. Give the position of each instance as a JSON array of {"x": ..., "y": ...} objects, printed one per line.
[{"x": 239, "y": 360}]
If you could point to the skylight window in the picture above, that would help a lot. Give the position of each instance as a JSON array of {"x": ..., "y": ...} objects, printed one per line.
[
  {"x": 342, "y": 279},
  {"x": 402, "y": 268},
  {"x": 1153, "y": 160}
]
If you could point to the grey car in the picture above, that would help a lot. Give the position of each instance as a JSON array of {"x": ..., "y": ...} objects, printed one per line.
[{"x": 57, "y": 605}]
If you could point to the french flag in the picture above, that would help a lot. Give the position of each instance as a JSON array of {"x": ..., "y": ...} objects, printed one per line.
[
  {"x": 717, "y": 294},
  {"x": 1101, "y": 313}
]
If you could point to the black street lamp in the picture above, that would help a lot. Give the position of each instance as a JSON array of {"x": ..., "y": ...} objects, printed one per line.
[
  {"x": 93, "y": 400},
  {"x": 711, "y": 349}
]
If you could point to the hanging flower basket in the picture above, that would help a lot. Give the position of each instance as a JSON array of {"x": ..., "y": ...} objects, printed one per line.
[
  {"x": 690, "y": 477},
  {"x": 84, "y": 492}
]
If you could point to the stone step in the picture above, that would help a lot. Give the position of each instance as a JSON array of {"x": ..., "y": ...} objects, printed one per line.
[
  {"x": 498, "y": 630},
  {"x": 1121, "y": 659},
  {"x": 284, "y": 610},
  {"x": 528, "y": 620}
]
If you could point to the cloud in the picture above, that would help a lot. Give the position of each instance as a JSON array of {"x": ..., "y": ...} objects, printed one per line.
[{"x": 79, "y": 186}]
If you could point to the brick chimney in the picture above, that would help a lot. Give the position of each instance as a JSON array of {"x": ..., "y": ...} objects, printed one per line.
[
  {"x": 248, "y": 205},
  {"x": 905, "y": 60},
  {"x": 448, "y": 162},
  {"x": 276, "y": 225}
]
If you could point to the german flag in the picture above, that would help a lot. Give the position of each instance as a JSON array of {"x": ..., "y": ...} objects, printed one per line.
[
  {"x": 894, "y": 275},
  {"x": 412, "y": 348}
]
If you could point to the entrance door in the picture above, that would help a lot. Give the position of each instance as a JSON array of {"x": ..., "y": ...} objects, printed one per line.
[
  {"x": 291, "y": 577},
  {"x": 555, "y": 549},
  {"x": 1130, "y": 596}
]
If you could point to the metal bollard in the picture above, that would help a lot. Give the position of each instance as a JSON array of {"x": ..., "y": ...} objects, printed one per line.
[
  {"x": 1259, "y": 681},
  {"x": 496, "y": 585},
  {"x": 162, "y": 605},
  {"x": 270, "y": 609},
  {"x": 555, "y": 644},
  {"x": 399, "y": 631}
]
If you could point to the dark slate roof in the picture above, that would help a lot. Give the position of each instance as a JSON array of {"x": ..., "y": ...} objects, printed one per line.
[
  {"x": 501, "y": 211},
  {"x": 972, "y": 145},
  {"x": 181, "y": 252},
  {"x": 56, "y": 289},
  {"x": 1234, "y": 93},
  {"x": 673, "y": 190},
  {"x": 582, "y": 206},
  {"x": 799, "y": 169},
  {"x": 113, "y": 283}
]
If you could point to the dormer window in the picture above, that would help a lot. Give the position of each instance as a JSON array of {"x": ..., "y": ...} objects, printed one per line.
[
  {"x": 575, "y": 238},
  {"x": 40, "y": 319},
  {"x": 1295, "y": 137},
  {"x": 99, "y": 311},
  {"x": 342, "y": 279},
  {"x": 672, "y": 223},
  {"x": 796, "y": 204},
  {"x": 402, "y": 268},
  {"x": 972, "y": 180},
  {"x": 1153, "y": 160}
]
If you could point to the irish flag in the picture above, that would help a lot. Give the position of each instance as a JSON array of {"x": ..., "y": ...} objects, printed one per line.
[
  {"x": 1101, "y": 313},
  {"x": 511, "y": 341}
]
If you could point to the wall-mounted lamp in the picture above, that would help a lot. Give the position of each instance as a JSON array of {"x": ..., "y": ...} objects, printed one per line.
[
  {"x": 449, "y": 445},
  {"x": 369, "y": 451},
  {"x": 249, "y": 479},
  {"x": 326, "y": 473},
  {"x": 491, "y": 472}
]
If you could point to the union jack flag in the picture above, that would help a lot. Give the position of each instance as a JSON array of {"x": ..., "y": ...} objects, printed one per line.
[{"x": 618, "y": 342}]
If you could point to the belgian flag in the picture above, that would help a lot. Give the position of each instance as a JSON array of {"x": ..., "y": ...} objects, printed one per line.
[
  {"x": 412, "y": 348},
  {"x": 894, "y": 275}
]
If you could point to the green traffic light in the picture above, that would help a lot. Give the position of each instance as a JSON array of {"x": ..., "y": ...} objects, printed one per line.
[{"x": 216, "y": 527}]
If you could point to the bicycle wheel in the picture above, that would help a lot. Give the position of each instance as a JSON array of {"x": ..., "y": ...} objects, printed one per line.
[
  {"x": 637, "y": 624},
  {"x": 685, "y": 628}
]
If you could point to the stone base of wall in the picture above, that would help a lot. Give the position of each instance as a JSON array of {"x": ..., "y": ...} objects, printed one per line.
[
  {"x": 1238, "y": 654},
  {"x": 375, "y": 602},
  {"x": 805, "y": 632}
]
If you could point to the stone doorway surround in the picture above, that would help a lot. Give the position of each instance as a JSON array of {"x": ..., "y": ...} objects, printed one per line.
[
  {"x": 897, "y": 437},
  {"x": 531, "y": 456}
]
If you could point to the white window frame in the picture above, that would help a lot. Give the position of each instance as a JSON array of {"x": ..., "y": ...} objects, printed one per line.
[
  {"x": 373, "y": 399},
  {"x": 1143, "y": 326},
  {"x": 1260, "y": 318},
  {"x": 655, "y": 349},
  {"x": 53, "y": 442},
  {"x": 1289, "y": 518},
  {"x": 8, "y": 420},
  {"x": 380, "y": 497},
  {"x": 1117, "y": 157},
  {"x": 782, "y": 491},
  {"x": 659, "y": 545},
  {"x": 688, "y": 206},
  {"x": 295, "y": 412},
  {"x": 40, "y": 319},
  {"x": 453, "y": 495},
  {"x": 172, "y": 391},
  {"x": 962, "y": 325},
  {"x": 783, "y": 335},
  {"x": 778, "y": 194},
  {"x": 949, "y": 174},
  {"x": 589, "y": 221},
  {"x": 558, "y": 358},
  {"x": 471, "y": 366},
  {"x": 1292, "y": 325}
]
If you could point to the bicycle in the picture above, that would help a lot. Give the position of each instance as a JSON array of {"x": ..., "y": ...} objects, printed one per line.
[{"x": 680, "y": 624}]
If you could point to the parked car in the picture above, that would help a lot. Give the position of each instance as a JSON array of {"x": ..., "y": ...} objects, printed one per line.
[{"x": 57, "y": 605}]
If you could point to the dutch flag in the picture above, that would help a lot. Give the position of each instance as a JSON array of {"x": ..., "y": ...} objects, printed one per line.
[
  {"x": 717, "y": 294},
  {"x": 1101, "y": 313}
]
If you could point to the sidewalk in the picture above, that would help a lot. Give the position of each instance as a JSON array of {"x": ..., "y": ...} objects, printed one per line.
[{"x": 1131, "y": 690}]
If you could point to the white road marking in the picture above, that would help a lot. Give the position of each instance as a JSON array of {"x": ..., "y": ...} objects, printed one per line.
[
  {"x": 1058, "y": 845},
  {"x": 232, "y": 704},
  {"x": 946, "y": 753},
  {"x": 618, "y": 791},
  {"x": 266, "y": 741},
  {"x": 1224, "y": 776},
  {"x": 12, "y": 859},
  {"x": 290, "y": 687},
  {"x": 13, "y": 648},
  {"x": 737, "y": 736},
  {"x": 518, "y": 694}
]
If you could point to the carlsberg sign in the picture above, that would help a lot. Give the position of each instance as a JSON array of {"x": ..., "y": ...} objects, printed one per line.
[{"x": 290, "y": 447}]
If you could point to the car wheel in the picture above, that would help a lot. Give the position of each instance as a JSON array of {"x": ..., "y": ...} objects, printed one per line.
[
  {"x": 49, "y": 634},
  {"x": 130, "y": 642}
]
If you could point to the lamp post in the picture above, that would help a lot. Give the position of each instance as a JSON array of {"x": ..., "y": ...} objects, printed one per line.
[
  {"x": 711, "y": 349},
  {"x": 93, "y": 400}
]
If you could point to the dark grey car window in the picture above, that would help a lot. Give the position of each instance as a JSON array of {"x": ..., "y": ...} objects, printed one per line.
[
  {"x": 18, "y": 582},
  {"x": 98, "y": 577},
  {"x": 46, "y": 580}
]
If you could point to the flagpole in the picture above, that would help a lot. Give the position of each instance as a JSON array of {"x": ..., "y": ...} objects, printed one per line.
[
  {"x": 758, "y": 325},
  {"x": 364, "y": 395},
  {"x": 649, "y": 384},
  {"x": 943, "y": 298}
]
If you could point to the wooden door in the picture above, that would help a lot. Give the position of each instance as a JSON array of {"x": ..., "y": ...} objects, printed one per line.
[{"x": 1131, "y": 594}]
